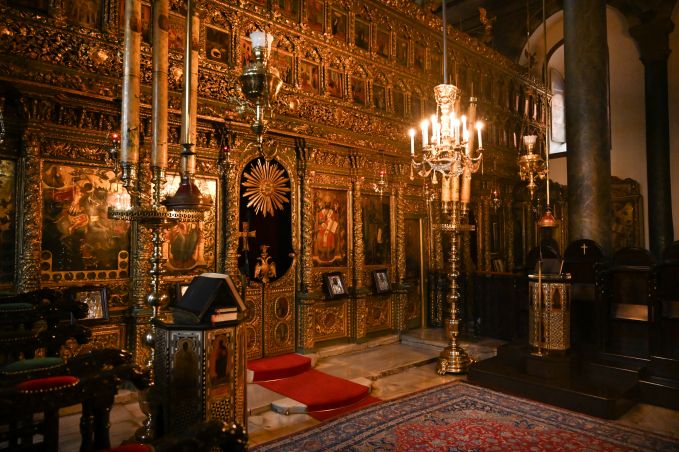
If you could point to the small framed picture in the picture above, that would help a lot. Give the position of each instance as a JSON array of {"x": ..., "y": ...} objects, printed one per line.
[
  {"x": 96, "y": 300},
  {"x": 381, "y": 280},
  {"x": 334, "y": 285}
]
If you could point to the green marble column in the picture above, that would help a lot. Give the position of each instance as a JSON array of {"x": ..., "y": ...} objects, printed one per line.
[
  {"x": 587, "y": 121},
  {"x": 653, "y": 40}
]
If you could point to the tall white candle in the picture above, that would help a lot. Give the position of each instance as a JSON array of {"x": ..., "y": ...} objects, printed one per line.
[
  {"x": 455, "y": 189},
  {"x": 411, "y": 132},
  {"x": 479, "y": 126},
  {"x": 445, "y": 189}
]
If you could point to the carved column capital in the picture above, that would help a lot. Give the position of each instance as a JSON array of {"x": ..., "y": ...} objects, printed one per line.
[{"x": 653, "y": 39}]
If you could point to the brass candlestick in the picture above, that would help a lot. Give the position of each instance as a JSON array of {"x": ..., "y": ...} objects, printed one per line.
[{"x": 453, "y": 358}]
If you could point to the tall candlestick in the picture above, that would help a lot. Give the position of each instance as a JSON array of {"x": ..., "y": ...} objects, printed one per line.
[{"x": 189, "y": 99}]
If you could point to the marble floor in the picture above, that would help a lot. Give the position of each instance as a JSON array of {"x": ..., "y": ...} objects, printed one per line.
[{"x": 394, "y": 367}]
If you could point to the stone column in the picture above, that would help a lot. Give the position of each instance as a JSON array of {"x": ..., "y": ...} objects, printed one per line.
[
  {"x": 653, "y": 40},
  {"x": 587, "y": 121}
]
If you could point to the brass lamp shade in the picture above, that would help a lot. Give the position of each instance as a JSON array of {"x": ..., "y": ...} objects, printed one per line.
[
  {"x": 188, "y": 197},
  {"x": 548, "y": 220}
]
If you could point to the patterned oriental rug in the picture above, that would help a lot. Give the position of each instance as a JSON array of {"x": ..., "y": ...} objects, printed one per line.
[{"x": 459, "y": 416}]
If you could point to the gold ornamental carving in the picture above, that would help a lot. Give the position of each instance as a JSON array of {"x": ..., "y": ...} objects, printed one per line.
[
  {"x": 266, "y": 188},
  {"x": 331, "y": 321},
  {"x": 361, "y": 316},
  {"x": 29, "y": 262},
  {"x": 400, "y": 235},
  {"x": 110, "y": 336},
  {"x": 359, "y": 251},
  {"x": 378, "y": 314}
]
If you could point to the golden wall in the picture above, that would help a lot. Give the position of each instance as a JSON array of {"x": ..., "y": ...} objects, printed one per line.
[{"x": 357, "y": 75}]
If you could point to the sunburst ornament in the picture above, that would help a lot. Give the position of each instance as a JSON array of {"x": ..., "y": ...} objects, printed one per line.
[{"x": 266, "y": 187}]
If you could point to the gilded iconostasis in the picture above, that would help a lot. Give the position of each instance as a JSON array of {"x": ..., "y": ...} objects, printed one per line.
[{"x": 333, "y": 198}]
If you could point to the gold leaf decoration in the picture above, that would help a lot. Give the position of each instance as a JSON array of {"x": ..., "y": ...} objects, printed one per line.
[{"x": 266, "y": 187}]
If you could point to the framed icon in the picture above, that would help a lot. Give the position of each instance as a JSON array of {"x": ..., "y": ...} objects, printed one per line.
[
  {"x": 96, "y": 300},
  {"x": 381, "y": 281},
  {"x": 333, "y": 283}
]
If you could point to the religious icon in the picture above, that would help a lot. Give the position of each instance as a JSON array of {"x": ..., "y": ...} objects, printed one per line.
[
  {"x": 383, "y": 45},
  {"x": 82, "y": 12},
  {"x": 282, "y": 61},
  {"x": 376, "y": 230},
  {"x": 419, "y": 56},
  {"x": 288, "y": 8},
  {"x": 76, "y": 231},
  {"x": 190, "y": 245},
  {"x": 402, "y": 52},
  {"x": 381, "y": 281},
  {"x": 334, "y": 285},
  {"x": 95, "y": 299},
  {"x": 184, "y": 377},
  {"x": 380, "y": 97},
  {"x": 308, "y": 77},
  {"x": 217, "y": 45},
  {"x": 176, "y": 32},
  {"x": 362, "y": 38},
  {"x": 329, "y": 246},
  {"x": 7, "y": 220},
  {"x": 398, "y": 103},
  {"x": 245, "y": 51},
  {"x": 315, "y": 15},
  {"x": 358, "y": 90},
  {"x": 338, "y": 25},
  {"x": 415, "y": 106},
  {"x": 335, "y": 85},
  {"x": 220, "y": 361},
  {"x": 436, "y": 64}
]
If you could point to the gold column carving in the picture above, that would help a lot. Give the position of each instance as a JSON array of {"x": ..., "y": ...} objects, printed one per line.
[
  {"x": 306, "y": 314},
  {"x": 28, "y": 269},
  {"x": 359, "y": 311},
  {"x": 401, "y": 293},
  {"x": 307, "y": 218},
  {"x": 436, "y": 299}
]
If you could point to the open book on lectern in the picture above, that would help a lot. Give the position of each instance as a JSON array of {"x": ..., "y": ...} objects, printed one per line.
[{"x": 208, "y": 294}]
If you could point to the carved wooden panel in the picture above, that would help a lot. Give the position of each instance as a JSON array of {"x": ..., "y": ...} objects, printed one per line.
[
  {"x": 331, "y": 320},
  {"x": 379, "y": 313}
]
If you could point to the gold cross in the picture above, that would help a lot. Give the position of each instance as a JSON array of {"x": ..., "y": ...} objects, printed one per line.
[
  {"x": 584, "y": 248},
  {"x": 245, "y": 234}
]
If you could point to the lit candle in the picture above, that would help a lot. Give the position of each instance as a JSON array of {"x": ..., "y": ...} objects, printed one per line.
[
  {"x": 479, "y": 126},
  {"x": 445, "y": 189},
  {"x": 411, "y": 132},
  {"x": 456, "y": 130},
  {"x": 425, "y": 132}
]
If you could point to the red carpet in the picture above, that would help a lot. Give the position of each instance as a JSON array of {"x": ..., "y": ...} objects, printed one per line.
[
  {"x": 276, "y": 367},
  {"x": 318, "y": 390},
  {"x": 458, "y": 416}
]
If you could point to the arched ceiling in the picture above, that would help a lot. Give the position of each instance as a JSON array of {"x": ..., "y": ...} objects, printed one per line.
[{"x": 513, "y": 20}]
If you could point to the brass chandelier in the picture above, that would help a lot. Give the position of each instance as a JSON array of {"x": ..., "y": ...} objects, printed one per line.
[{"x": 450, "y": 151}]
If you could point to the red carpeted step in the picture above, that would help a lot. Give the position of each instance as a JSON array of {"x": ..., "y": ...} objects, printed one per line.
[
  {"x": 318, "y": 390},
  {"x": 331, "y": 414},
  {"x": 276, "y": 367}
]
